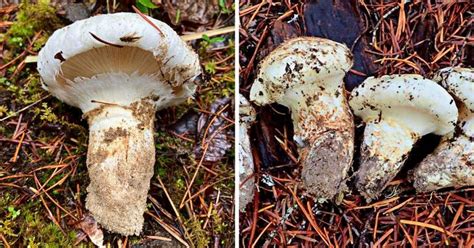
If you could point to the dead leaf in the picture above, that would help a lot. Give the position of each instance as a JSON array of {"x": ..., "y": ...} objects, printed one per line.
[
  {"x": 77, "y": 11},
  {"x": 90, "y": 227},
  {"x": 186, "y": 125},
  {"x": 280, "y": 32},
  {"x": 199, "y": 11},
  {"x": 212, "y": 129}
]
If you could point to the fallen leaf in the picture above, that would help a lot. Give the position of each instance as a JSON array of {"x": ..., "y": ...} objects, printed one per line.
[
  {"x": 186, "y": 124},
  {"x": 199, "y": 11},
  {"x": 213, "y": 131},
  {"x": 77, "y": 11},
  {"x": 90, "y": 227}
]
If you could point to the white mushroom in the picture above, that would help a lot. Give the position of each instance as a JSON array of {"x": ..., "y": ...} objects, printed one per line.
[
  {"x": 398, "y": 110},
  {"x": 246, "y": 165},
  {"x": 452, "y": 163},
  {"x": 119, "y": 69},
  {"x": 306, "y": 75}
]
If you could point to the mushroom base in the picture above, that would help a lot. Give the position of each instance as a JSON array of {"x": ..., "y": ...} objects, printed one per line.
[
  {"x": 324, "y": 133},
  {"x": 326, "y": 164},
  {"x": 120, "y": 161},
  {"x": 385, "y": 148},
  {"x": 451, "y": 165}
]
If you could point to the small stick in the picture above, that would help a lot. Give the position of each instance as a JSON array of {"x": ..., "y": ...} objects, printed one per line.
[
  {"x": 168, "y": 229},
  {"x": 426, "y": 225},
  {"x": 385, "y": 235},
  {"x": 188, "y": 190},
  {"x": 4, "y": 241},
  {"x": 103, "y": 41},
  {"x": 169, "y": 199},
  {"x": 147, "y": 20},
  {"x": 15, "y": 156},
  {"x": 209, "y": 33},
  {"x": 159, "y": 238},
  {"x": 398, "y": 206}
]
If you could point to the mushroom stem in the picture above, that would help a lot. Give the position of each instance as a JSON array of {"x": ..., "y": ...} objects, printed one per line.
[
  {"x": 450, "y": 165},
  {"x": 323, "y": 124},
  {"x": 120, "y": 160},
  {"x": 384, "y": 150},
  {"x": 246, "y": 163}
]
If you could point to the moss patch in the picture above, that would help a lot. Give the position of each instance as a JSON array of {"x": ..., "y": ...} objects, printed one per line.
[
  {"x": 23, "y": 226},
  {"x": 30, "y": 19}
]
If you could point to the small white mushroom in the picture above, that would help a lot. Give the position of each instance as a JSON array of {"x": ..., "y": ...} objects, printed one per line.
[
  {"x": 306, "y": 75},
  {"x": 119, "y": 69},
  {"x": 398, "y": 110},
  {"x": 452, "y": 163},
  {"x": 246, "y": 165}
]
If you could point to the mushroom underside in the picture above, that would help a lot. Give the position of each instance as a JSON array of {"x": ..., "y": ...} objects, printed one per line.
[
  {"x": 107, "y": 59},
  {"x": 117, "y": 75}
]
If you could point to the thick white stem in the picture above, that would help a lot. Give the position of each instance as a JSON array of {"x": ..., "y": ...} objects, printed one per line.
[
  {"x": 246, "y": 162},
  {"x": 325, "y": 135},
  {"x": 246, "y": 168},
  {"x": 384, "y": 150},
  {"x": 451, "y": 164},
  {"x": 120, "y": 160}
]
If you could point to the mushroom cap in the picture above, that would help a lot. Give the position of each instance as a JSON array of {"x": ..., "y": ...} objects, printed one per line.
[
  {"x": 302, "y": 63},
  {"x": 119, "y": 58},
  {"x": 459, "y": 82},
  {"x": 419, "y": 103}
]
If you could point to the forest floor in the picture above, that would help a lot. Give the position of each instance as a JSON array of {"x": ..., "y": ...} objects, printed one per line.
[
  {"x": 43, "y": 142},
  {"x": 385, "y": 37}
]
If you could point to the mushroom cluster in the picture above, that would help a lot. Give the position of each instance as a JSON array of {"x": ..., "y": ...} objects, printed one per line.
[
  {"x": 119, "y": 69},
  {"x": 306, "y": 75},
  {"x": 397, "y": 110}
]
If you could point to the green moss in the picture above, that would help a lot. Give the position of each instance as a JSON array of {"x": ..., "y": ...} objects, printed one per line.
[
  {"x": 3, "y": 110},
  {"x": 24, "y": 93},
  {"x": 223, "y": 84},
  {"x": 26, "y": 226},
  {"x": 219, "y": 225},
  {"x": 210, "y": 67},
  {"x": 169, "y": 150},
  {"x": 199, "y": 237},
  {"x": 30, "y": 19},
  {"x": 47, "y": 113}
]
